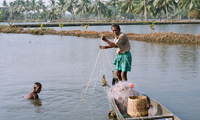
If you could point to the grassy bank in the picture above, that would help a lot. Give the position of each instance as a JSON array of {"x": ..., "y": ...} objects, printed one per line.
[{"x": 152, "y": 37}]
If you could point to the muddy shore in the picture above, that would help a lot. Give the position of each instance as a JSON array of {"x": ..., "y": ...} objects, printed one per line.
[{"x": 151, "y": 37}]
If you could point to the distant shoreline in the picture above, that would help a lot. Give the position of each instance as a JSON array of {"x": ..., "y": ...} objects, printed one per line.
[
  {"x": 103, "y": 23},
  {"x": 172, "y": 38}
]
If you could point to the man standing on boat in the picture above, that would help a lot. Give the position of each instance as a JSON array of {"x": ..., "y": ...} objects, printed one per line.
[{"x": 123, "y": 60}]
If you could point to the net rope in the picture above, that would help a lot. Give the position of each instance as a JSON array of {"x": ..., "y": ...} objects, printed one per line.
[{"x": 106, "y": 89}]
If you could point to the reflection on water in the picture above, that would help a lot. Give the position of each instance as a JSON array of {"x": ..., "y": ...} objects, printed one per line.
[{"x": 36, "y": 102}]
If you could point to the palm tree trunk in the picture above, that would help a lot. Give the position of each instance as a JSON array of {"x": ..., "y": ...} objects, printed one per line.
[
  {"x": 130, "y": 15},
  {"x": 167, "y": 13},
  {"x": 189, "y": 15},
  {"x": 33, "y": 14},
  {"x": 38, "y": 15},
  {"x": 73, "y": 14},
  {"x": 44, "y": 15},
  {"x": 19, "y": 17},
  {"x": 25, "y": 16},
  {"x": 141, "y": 16},
  {"x": 100, "y": 14},
  {"x": 145, "y": 11},
  {"x": 97, "y": 14},
  {"x": 85, "y": 16},
  {"x": 114, "y": 11},
  {"x": 160, "y": 15},
  {"x": 12, "y": 17},
  {"x": 63, "y": 15},
  {"x": 22, "y": 14},
  {"x": 181, "y": 15},
  {"x": 53, "y": 15}
]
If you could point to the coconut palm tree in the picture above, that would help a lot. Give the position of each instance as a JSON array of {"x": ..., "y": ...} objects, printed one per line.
[
  {"x": 61, "y": 7},
  {"x": 109, "y": 14},
  {"x": 178, "y": 11},
  {"x": 159, "y": 8},
  {"x": 27, "y": 8},
  {"x": 4, "y": 4},
  {"x": 33, "y": 6},
  {"x": 18, "y": 8},
  {"x": 40, "y": 6},
  {"x": 127, "y": 6},
  {"x": 191, "y": 4},
  {"x": 112, "y": 3},
  {"x": 122, "y": 11},
  {"x": 99, "y": 8},
  {"x": 167, "y": 4},
  {"x": 21, "y": 7},
  {"x": 51, "y": 12},
  {"x": 145, "y": 10},
  {"x": 15, "y": 12},
  {"x": 83, "y": 7},
  {"x": 58, "y": 13},
  {"x": 93, "y": 11},
  {"x": 37, "y": 8},
  {"x": 5, "y": 10},
  {"x": 195, "y": 13},
  {"x": 11, "y": 9},
  {"x": 144, "y": 7},
  {"x": 70, "y": 6}
]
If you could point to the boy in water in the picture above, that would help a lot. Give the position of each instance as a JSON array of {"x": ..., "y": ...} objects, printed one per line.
[{"x": 36, "y": 89}]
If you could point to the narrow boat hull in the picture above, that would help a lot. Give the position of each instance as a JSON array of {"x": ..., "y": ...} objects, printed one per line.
[{"x": 159, "y": 112}]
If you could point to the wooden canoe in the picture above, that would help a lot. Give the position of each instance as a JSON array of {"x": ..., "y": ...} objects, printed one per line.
[{"x": 161, "y": 112}]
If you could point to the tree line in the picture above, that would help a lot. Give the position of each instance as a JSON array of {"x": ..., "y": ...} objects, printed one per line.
[{"x": 100, "y": 10}]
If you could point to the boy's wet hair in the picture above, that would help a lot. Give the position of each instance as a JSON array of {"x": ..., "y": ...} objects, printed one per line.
[
  {"x": 37, "y": 84},
  {"x": 116, "y": 25}
]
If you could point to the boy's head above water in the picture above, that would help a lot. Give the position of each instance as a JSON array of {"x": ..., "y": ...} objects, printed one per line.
[{"x": 36, "y": 89}]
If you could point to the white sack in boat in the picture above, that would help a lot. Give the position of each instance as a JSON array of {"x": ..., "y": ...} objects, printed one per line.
[{"x": 120, "y": 92}]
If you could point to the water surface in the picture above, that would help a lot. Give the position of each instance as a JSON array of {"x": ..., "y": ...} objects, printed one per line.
[{"x": 64, "y": 65}]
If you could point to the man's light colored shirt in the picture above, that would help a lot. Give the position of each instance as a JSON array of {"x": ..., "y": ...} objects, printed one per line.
[{"x": 122, "y": 43}]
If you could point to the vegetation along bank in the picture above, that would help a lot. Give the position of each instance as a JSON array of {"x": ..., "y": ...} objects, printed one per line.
[{"x": 151, "y": 37}]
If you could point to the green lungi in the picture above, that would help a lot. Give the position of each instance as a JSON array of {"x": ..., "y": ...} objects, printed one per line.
[{"x": 123, "y": 62}]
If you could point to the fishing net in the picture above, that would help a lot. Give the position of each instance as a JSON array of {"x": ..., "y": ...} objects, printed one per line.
[{"x": 121, "y": 92}]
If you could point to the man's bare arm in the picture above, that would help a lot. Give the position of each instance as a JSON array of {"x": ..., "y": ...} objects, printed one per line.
[
  {"x": 112, "y": 44},
  {"x": 105, "y": 47}
]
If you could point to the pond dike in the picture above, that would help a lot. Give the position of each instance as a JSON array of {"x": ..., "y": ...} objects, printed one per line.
[
  {"x": 104, "y": 23},
  {"x": 169, "y": 38}
]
